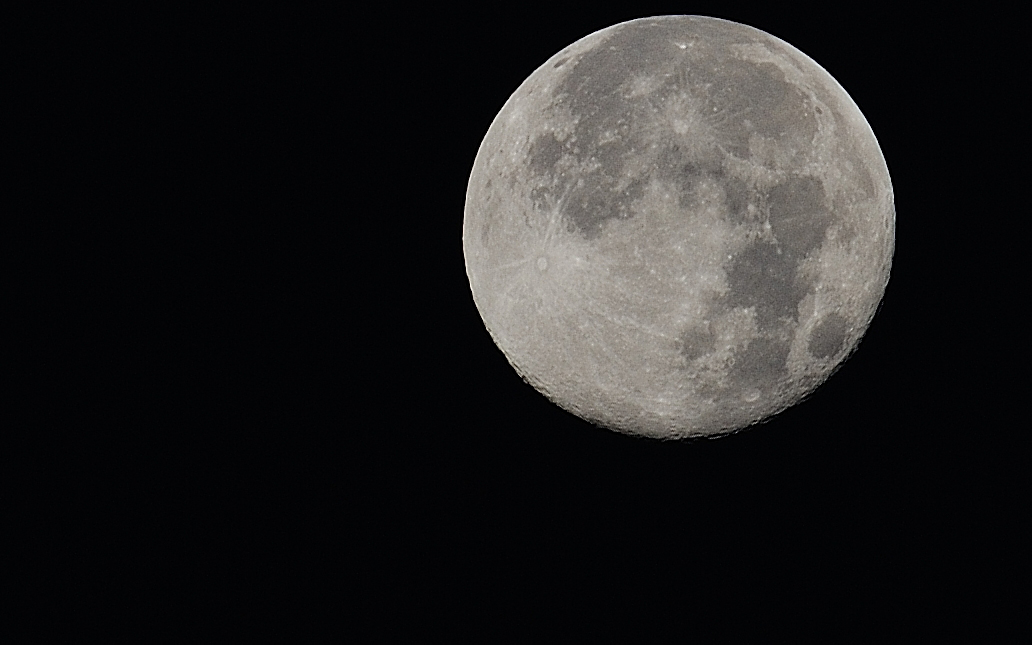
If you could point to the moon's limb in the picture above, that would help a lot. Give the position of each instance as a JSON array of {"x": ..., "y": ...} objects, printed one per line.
[{"x": 678, "y": 226}]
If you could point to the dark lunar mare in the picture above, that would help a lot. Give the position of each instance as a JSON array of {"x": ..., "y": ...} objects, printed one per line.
[
  {"x": 764, "y": 277},
  {"x": 736, "y": 199},
  {"x": 545, "y": 153},
  {"x": 758, "y": 93},
  {"x": 594, "y": 93},
  {"x": 797, "y": 215},
  {"x": 696, "y": 342},
  {"x": 828, "y": 336},
  {"x": 761, "y": 363}
]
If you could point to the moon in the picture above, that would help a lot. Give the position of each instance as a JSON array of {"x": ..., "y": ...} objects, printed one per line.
[{"x": 678, "y": 227}]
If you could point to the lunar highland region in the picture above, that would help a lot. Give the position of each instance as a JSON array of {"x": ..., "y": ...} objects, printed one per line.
[{"x": 678, "y": 227}]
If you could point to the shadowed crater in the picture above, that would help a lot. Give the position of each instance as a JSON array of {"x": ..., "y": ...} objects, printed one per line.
[
  {"x": 828, "y": 336},
  {"x": 797, "y": 214},
  {"x": 762, "y": 277}
]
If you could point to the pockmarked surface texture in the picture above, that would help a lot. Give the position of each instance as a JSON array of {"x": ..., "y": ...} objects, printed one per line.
[{"x": 678, "y": 226}]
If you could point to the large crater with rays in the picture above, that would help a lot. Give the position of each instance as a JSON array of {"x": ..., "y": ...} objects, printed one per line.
[{"x": 678, "y": 226}]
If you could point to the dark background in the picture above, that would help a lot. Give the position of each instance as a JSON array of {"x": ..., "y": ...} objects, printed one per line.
[{"x": 263, "y": 390}]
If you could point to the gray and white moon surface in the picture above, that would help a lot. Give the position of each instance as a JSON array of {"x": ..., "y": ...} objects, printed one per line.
[{"x": 678, "y": 226}]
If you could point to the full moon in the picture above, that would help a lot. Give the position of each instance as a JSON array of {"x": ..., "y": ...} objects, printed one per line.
[{"x": 678, "y": 227}]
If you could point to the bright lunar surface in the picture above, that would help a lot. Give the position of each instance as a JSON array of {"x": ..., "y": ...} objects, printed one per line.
[{"x": 678, "y": 226}]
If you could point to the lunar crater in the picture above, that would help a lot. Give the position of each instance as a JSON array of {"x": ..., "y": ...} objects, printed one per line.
[{"x": 677, "y": 227}]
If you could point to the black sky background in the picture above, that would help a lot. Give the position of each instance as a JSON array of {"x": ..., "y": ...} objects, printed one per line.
[{"x": 271, "y": 393}]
